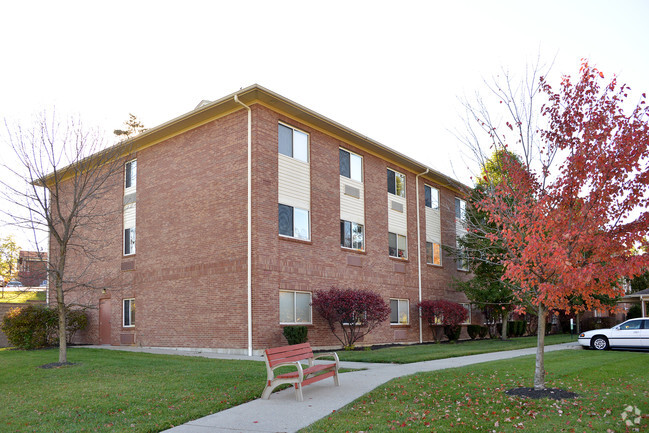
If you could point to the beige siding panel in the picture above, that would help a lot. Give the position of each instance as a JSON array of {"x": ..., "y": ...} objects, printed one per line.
[
  {"x": 352, "y": 208},
  {"x": 397, "y": 221},
  {"x": 129, "y": 216},
  {"x": 433, "y": 226},
  {"x": 294, "y": 182}
]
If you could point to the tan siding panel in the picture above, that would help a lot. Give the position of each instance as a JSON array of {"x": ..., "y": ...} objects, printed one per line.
[
  {"x": 351, "y": 208},
  {"x": 433, "y": 226},
  {"x": 397, "y": 221},
  {"x": 294, "y": 182}
]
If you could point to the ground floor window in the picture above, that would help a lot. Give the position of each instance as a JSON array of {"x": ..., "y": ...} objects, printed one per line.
[
  {"x": 294, "y": 307},
  {"x": 129, "y": 312},
  {"x": 399, "y": 312},
  {"x": 433, "y": 253},
  {"x": 467, "y": 307}
]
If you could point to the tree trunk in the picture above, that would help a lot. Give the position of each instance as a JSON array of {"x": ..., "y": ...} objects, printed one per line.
[
  {"x": 539, "y": 372},
  {"x": 63, "y": 344},
  {"x": 503, "y": 337}
]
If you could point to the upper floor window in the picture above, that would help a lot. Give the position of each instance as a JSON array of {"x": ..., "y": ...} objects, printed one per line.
[
  {"x": 460, "y": 210},
  {"x": 130, "y": 175},
  {"x": 129, "y": 229},
  {"x": 293, "y": 222},
  {"x": 351, "y": 235},
  {"x": 396, "y": 183},
  {"x": 432, "y": 197},
  {"x": 351, "y": 165},
  {"x": 398, "y": 246},
  {"x": 293, "y": 143},
  {"x": 433, "y": 253}
]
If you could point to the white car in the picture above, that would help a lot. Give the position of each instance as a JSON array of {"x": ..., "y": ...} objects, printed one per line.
[{"x": 633, "y": 333}]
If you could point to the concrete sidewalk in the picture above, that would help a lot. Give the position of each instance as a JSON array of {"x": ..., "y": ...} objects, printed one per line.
[{"x": 283, "y": 414}]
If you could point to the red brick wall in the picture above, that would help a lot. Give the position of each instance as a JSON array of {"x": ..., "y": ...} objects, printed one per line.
[{"x": 188, "y": 277}]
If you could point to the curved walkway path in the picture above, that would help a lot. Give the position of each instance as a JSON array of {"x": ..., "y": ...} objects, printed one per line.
[{"x": 283, "y": 414}]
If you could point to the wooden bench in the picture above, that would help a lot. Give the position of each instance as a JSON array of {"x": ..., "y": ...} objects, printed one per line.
[{"x": 292, "y": 355}]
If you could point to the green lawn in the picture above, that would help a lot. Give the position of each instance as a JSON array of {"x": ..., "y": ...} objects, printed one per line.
[
  {"x": 14, "y": 297},
  {"x": 427, "y": 352},
  {"x": 118, "y": 391},
  {"x": 471, "y": 399}
]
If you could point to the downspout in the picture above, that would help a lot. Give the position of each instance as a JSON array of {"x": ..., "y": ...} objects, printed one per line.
[
  {"x": 421, "y": 335},
  {"x": 249, "y": 267}
]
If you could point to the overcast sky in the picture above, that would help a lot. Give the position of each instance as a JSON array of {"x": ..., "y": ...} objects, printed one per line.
[{"x": 390, "y": 70}]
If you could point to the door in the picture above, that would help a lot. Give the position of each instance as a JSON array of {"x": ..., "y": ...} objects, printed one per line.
[
  {"x": 104, "y": 321},
  {"x": 627, "y": 334}
]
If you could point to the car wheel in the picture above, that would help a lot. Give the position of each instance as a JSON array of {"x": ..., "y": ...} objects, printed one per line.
[{"x": 599, "y": 343}]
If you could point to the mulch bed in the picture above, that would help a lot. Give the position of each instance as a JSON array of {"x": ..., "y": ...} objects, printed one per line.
[
  {"x": 553, "y": 393},
  {"x": 57, "y": 365}
]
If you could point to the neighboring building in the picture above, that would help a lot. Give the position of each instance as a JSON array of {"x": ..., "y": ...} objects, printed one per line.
[
  {"x": 329, "y": 207},
  {"x": 32, "y": 268}
]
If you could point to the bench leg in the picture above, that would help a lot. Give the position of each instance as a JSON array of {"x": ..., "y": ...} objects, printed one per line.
[
  {"x": 336, "y": 381},
  {"x": 298, "y": 392},
  {"x": 268, "y": 390}
]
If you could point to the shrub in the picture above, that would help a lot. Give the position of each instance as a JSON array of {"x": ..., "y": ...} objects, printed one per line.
[
  {"x": 357, "y": 312},
  {"x": 296, "y": 334},
  {"x": 452, "y": 332},
  {"x": 473, "y": 331},
  {"x": 36, "y": 326},
  {"x": 29, "y": 327},
  {"x": 634, "y": 312},
  {"x": 483, "y": 331},
  {"x": 445, "y": 313}
]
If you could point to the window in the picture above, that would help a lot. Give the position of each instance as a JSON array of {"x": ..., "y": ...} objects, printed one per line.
[
  {"x": 129, "y": 313},
  {"x": 399, "y": 312},
  {"x": 294, "y": 307},
  {"x": 433, "y": 253},
  {"x": 467, "y": 307},
  {"x": 129, "y": 229},
  {"x": 130, "y": 175},
  {"x": 462, "y": 263},
  {"x": 396, "y": 183},
  {"x": 460, "y": 210},
  {"x": 432, "y": 197},
  {"x": 293, "y": 143},
  {"x": 351, "y": 235},
  {"x": 398, "y": 245},
  {"x": 293, "y": 222},
  {"x": 351, "y": 165}
]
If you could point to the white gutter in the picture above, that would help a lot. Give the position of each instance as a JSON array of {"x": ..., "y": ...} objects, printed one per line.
[
  {"x": 421, "y": 335},
  {"x": 249, "y": 267}
]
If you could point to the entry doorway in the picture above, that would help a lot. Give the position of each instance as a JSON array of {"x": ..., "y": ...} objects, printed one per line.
[{"x": 104, "y": 321}]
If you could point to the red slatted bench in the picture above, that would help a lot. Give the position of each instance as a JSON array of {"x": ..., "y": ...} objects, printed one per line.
[{"x": 292, "y": 355}]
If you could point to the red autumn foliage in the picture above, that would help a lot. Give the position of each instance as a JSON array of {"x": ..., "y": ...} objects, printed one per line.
[
  {"x": 356, "y": 312},
  {"x": 569, "y": 230},
  {"x": 442, "y": 312}
]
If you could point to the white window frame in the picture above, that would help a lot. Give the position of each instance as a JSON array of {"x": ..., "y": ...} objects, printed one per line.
[
  {"x": 308, "y": 142},
  {"x": 132, "y": 188},
  {"x": 294, "y": 322},
  {"x": 434, "y": 204},
  {"x": 351, "y": 175},
  {"x": 399, "y": 311},
  {"x": 308, "y": 238},
  {"x": 405, "y": 257},
  {"x": 396, "y": 173},
  {"x": 430, "y": 259},
  {"x": 352, "y": 228},
  {"x": 131, "y": 309},
  {"x": 467, "y": 306},
  {"x": 462, "y": 208}
]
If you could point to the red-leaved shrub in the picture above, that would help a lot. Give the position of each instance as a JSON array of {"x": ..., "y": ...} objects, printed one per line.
[{"x": 443, "y": 313}]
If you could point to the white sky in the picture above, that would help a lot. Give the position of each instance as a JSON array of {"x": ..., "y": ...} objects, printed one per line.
[{"x": 390, "y": 70}]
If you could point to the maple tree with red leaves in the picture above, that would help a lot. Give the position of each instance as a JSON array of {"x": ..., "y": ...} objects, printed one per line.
[{"x": 569, "y": 227}]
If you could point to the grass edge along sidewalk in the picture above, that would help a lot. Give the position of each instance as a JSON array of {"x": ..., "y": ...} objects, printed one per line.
[{"x": 472, "y": 398}]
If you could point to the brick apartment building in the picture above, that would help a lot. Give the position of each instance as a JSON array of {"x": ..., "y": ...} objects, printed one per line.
[
  {"x": 32, "y": 268},
  {"x": 329, "y": 207}
]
